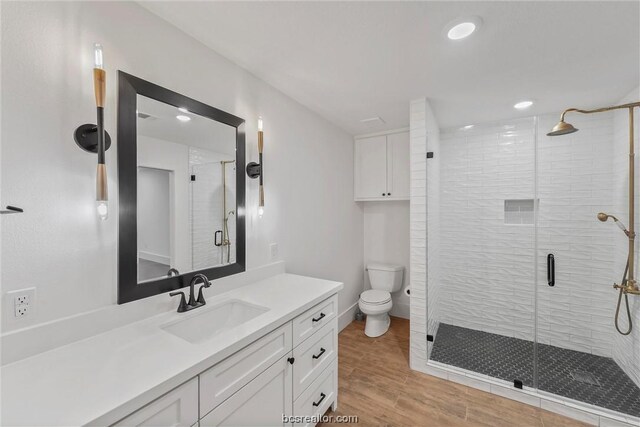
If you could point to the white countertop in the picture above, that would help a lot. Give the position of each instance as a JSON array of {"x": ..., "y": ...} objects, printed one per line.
[{"x": 100, "y": 380}]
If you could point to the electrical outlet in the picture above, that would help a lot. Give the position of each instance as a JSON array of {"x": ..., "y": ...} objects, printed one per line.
[
  {"x": 23, "y": 302},
  {"x": 273, "y": 248},
  {"x": 22, "y": 310},
  {"x": 22, "y": 299}
]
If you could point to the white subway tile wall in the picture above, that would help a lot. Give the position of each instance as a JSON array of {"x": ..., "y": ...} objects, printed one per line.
[
  {"x": 420, "y": 112},
  {"x": 487, "y": 265}
]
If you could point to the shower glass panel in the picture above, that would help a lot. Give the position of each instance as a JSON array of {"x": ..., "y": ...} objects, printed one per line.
[
  {"x": 213, "y": 206},
  {"x": 481, "y": 251},
  {"x": 580, "y": 355},
  {"x": 520, "y": 270}
]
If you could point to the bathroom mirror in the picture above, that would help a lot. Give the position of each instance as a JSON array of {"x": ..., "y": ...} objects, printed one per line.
[{"x": 181, "y": 194}]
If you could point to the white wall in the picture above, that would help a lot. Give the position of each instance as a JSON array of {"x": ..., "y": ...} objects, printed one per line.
[
  {"x": 174, "y": 157},
  {"x": 154, "y": 207},
  {"x": 386, "y": 239},
  {"x": 626, "y": 349},
  {"x": 59, "y": 245}
]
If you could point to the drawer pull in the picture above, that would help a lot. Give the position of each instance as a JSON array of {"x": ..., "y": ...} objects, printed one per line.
[
  {"x": 322, "y": 396},
  {"x": 319, "y": 318},
  {"x": 317, "y": 356}
]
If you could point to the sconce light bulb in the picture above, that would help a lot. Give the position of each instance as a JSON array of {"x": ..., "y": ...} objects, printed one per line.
[
  {"x": 260, "y": 123},
  {"x": 102, "y": 206},
  {"x": 97, "y": 56},
  {"x": 260, "y": 211}
]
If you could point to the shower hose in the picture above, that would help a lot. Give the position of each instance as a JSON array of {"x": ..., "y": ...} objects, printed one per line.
[{"x": 626, "y": 302}]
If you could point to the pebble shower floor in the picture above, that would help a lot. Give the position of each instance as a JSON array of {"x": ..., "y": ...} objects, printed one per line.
[{"x": 580, "y": 376}]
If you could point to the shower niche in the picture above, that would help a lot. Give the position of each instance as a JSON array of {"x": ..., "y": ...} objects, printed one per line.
[{"x": 515, "y": 196}]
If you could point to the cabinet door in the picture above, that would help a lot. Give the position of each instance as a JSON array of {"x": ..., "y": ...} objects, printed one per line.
[
  {"x": 371, "y": 168},
  {"x": 398, "y": 165},
  {"x": 262, "y": 402},
  {"x": 179, "y": 407},
  {"x": 227, "y": 377}
]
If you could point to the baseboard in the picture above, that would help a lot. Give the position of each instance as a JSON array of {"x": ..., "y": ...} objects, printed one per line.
[
  {"x": 400, "y": 310},
  {"x": 347, "y": 316},
  {"x": 149, "y": 256}
]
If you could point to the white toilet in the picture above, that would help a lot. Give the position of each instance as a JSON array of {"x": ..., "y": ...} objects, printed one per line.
[{"x": 376, "y": 302}]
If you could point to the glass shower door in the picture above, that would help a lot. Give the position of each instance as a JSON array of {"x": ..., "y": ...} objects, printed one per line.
[
  {"x": 580, "y": 355},
  {"x": 481, "y": 251}
]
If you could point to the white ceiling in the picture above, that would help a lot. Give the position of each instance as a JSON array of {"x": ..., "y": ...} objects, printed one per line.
[
  {"x": 200, "y": 131},
  {"x": 354, "y": 60}
]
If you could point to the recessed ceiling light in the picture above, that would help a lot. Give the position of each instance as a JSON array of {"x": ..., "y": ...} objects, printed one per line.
[
  {"x": 467, "y": 127},
  {"x": 462, "y": 27},
  {"x": 523, "y": 105},
  {"x": 184, "y": 110},
  {"x": 183, "y": 118}
]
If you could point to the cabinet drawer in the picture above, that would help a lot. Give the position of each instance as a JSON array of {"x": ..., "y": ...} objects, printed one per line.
[
  {"x": 179, "y": 407},
  {"x": 314, "y": 355},
  {"x": 313, "y": 319},
  {"x": 316, "y": 399},
  {"x": 228, "y": 376},
  {"x": 265, "y": 401}
]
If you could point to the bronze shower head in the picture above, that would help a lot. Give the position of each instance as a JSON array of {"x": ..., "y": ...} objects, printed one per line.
[{"x": 562, "y": 128}]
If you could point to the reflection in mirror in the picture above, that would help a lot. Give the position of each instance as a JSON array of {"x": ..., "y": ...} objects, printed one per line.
[{"x": 186, "y": 191}]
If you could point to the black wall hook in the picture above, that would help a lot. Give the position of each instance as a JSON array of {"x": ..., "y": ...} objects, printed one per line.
[{"x": 11, "y": 210}]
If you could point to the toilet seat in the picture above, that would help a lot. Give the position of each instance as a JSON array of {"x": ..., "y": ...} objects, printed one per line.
[{"x": 375, "y": 297}]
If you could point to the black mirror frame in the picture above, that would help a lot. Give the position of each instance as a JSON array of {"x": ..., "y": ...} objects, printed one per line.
[{"x": 128, "y": 288}]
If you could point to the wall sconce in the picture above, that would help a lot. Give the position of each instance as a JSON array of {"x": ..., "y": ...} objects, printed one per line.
[
  {"x": 254, "y": 170},
  {"x": 93, "y": 138}
]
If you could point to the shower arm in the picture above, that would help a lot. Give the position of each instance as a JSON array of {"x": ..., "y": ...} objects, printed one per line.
[
  {"x": 599, "y": 110},
  {"x": 630, "y": 286}
]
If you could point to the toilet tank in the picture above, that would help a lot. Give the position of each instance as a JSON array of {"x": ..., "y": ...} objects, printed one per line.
[{"x": 385, "y": 277}]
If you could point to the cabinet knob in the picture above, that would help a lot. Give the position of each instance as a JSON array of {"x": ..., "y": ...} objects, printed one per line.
[
  {"x": 383, "y": 194},
  {"x": 388, "y": 194}
]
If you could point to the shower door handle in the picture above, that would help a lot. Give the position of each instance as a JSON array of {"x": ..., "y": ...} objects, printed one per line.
[
  {"x": 215, "y": 238},
  {"x": 551, "y": 270}
]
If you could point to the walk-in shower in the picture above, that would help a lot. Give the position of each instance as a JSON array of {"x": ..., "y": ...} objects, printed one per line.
[{"x": 519, "y": 292}]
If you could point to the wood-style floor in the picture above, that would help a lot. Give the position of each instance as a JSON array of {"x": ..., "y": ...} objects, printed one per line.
[{"x": 376, "y": 384}]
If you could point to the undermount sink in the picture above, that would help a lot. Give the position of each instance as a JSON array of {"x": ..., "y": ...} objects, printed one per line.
[{"x": 214, "y": 320}]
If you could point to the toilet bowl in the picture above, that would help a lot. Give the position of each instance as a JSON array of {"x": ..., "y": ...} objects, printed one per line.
[{"x": 376, "y": 302}]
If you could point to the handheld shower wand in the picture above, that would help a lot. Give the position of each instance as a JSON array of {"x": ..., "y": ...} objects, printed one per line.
[{"x": 604, "y": 217}]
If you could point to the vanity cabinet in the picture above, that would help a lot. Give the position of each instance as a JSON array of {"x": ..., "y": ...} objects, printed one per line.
[
  {"x": 381, "y": 167},
  {"x": 290, "y": 371}
]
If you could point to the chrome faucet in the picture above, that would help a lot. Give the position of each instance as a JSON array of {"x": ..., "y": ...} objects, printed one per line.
[{"x": 193, "y": 302}]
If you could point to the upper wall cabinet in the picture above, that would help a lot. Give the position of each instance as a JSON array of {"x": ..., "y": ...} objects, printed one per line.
[{"x": 382, "y": 167}]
